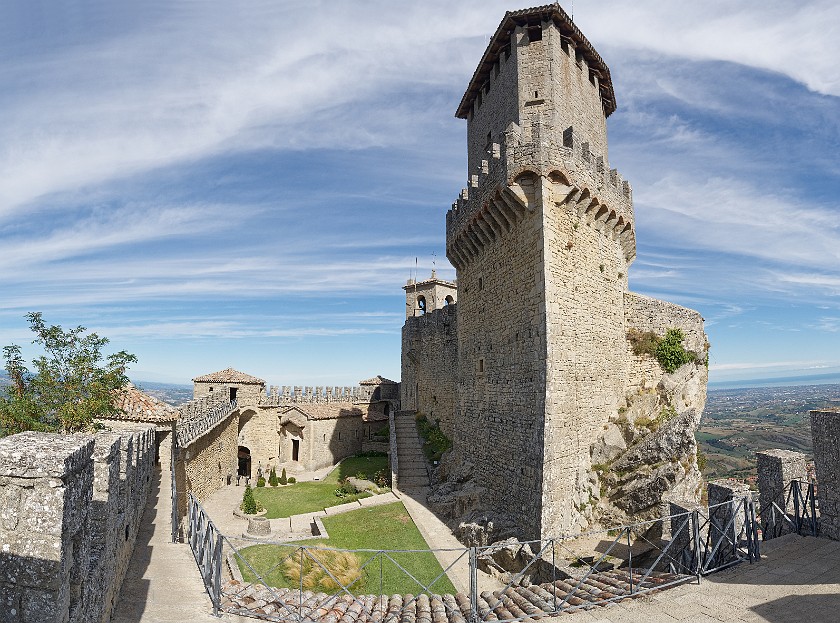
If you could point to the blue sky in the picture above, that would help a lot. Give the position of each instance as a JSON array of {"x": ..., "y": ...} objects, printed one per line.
[{"x": 214, "y": 184}]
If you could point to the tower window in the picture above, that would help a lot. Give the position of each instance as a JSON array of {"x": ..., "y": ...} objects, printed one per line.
[
  {"x": 448, "y": 300},
  {"x": 421, "y": 304},
  {"x": 481, "y": 366},
  {"x": 535, "y": 34},
  {"x": 480, "y": 283}
]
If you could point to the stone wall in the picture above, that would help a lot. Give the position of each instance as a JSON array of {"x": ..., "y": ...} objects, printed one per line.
[
  {"x": 70, "y": 507},
  {"x": 335, "y": 439},
  {"x": 825, "y": 431},
  {"x": 204, "y": 463},
  {"x": 430, "y": 366}
]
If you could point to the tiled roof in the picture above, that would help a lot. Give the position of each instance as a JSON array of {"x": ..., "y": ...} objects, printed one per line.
[
  {"x": 377, "y": 380},
  {"x": 137, "y": 406},
  {"x": 229, "y": 375},
  {"x": 514, "y": 603}
]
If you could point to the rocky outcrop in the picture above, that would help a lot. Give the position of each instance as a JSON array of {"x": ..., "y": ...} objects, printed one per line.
[{"x": 647, "y": 453}]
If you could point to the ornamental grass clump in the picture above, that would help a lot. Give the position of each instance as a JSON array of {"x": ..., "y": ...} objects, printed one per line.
[{"x": 309, "y": 569}]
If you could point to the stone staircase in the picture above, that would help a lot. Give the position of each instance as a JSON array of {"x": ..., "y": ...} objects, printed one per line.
[{"x": 411, "y": 463}]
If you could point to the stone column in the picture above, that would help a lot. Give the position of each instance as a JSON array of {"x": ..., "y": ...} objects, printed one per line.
[
  {"x": 46, "y": 483},
  {"x": 682, "y": 550},
  {"x": 825, "y": 431},
  {"x": 776, "y": 470},
  {"x": 725, "y": 501}
]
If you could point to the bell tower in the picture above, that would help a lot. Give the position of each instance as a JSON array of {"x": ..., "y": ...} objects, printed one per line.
[{"x": 423, "y": 297}]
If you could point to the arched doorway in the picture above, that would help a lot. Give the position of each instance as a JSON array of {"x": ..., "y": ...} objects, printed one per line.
[{"x": 244, "y": 455}]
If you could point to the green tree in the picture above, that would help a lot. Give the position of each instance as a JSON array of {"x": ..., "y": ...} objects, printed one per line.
[
  {"x": 249, "y": 504},
  {"x": 71, "y": 383}
]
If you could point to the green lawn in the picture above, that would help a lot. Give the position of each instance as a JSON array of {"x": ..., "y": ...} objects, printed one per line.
[
  {"x": 380, "y": 527},
  {"x": 305, "y": 497}
]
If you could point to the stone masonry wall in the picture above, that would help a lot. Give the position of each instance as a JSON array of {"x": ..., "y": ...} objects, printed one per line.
[
  {"x": 430, "y": 366},
  {"x": 203, "y": 465},
  {"x": 586, "y": 348},
  {"x": 70, "y": 506},
  {"x": 825, "y": 432},
  {"x": 498, "y": 432}
]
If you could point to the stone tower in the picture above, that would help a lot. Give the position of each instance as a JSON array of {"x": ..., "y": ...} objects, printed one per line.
[{"x": 541, "y": 239}]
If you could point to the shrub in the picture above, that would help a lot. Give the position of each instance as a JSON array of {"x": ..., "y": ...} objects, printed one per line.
[
  {"x": 291, "y": 480},
  {"x": 383, "y": 432},
  {"x": 272, "y": 477},
  {"x": 670, "y": 352},
  {"x": 382, "y": 478},
  {"x": 643, "y": 342},
  {"x": 260, "y": 481},
  {"x": 361, "y": 476},
  {"x": 283, "y": 479},
  {"x": 345, "y": 490},
  {"x": 249, "y": 504},
  {"x": 435, "y": 442},
  {"x": 701, "y": 459},
  {"x": 309, "y": 569}
]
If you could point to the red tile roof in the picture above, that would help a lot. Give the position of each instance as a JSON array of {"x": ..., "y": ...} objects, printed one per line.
[{"x": 137, "y": 406}]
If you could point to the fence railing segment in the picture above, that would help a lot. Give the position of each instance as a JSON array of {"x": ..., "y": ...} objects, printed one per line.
[
  {"x": 795, "y": 510},
  {"x": 632, "y": 560}
]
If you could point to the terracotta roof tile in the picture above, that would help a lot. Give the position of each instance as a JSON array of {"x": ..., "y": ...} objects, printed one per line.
[{"x": 137, "y": 406}]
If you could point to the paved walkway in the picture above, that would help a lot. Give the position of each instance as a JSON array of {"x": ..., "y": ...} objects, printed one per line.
[
  {"x": 797, "y": 581},
  {"x": 439, "y": 537},
  {"x": 162, "y": 584}
]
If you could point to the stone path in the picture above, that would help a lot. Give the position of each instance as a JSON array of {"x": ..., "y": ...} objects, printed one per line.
[
  {"x": 797, "y": 581},
  {"x": 410, "y": 459},
  {"x": 162, "y": 584},
  {"x": 439, "y": 537}
]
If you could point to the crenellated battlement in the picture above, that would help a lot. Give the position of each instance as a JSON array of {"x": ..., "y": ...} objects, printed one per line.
[
  {"x": 526, "y": 164},
  {"x": 288, "y": 394}
]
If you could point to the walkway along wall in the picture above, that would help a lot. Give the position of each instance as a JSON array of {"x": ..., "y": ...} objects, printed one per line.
[{"x": 70, "y": 508}]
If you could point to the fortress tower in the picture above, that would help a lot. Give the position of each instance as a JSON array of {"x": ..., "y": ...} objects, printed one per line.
[{"x": 541, "y": 239}]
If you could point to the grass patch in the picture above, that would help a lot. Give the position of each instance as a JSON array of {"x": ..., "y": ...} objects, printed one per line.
[
  {"x": 307, "y": 497},
  {"x": 380, "y": 527}
]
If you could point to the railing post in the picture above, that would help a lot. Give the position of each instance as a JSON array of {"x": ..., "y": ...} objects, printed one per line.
[
  {"x": 630, "y": 559},
  {"x": 756, "y": 545},
  {"x": 698, "y": 565},
  {"x": 473, "y": 585},
  {"x": 796, "y": 511},
  {"x": 173, "y": 451},
  {"x": 217, "y": 576},
  {"x": 812, "y": 495}
]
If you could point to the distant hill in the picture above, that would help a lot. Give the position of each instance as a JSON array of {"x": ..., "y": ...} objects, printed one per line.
[
  {"x": 174, "y": 394},
  {"x": 737, "y": 422}
]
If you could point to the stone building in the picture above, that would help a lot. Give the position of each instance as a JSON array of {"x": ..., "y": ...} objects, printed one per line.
[
  {"x": 556, "y": 423},
  {"x": 137, "y": 407},
  {"x": 300, "y": 428}
]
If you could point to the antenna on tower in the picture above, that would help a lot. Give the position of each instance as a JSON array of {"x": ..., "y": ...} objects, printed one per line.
[{"x": 573, "y": 10}]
